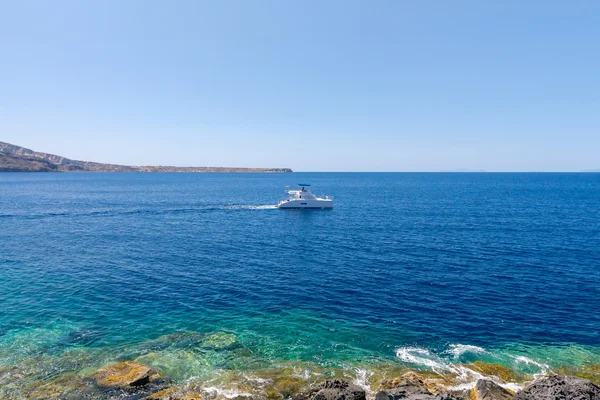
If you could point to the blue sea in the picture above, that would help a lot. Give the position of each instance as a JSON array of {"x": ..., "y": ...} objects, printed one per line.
[{"x": 425, "y": 271}]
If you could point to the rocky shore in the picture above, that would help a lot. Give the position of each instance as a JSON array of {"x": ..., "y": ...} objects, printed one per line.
[
  {"x": 131, "y": 380},
  {"x": 160, "y": 369}
]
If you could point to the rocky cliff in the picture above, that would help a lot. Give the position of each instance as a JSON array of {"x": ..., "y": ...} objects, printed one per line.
[{"x": 19, "y": 159}]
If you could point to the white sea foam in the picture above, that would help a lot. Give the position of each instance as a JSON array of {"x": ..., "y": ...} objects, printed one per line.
[
  {"x": 422, "y": 357},
  {"x": 466, "y": 378},
  {"x": 362, "y": 379},
  {"x": 515, "y": 387},
  {"x": 469, "y": 378},
  {"x": 257, "y": 380},
  {"x": 465, "y": 374},
  {"x": 425, "y": 358},
  {"x": 227, "y": 393},
  {"x": 459, "y": 349},
  {"x": 544, "y": 368},
  {"x": 529, "y": 361},
  {"x": 301, "y": 373}
]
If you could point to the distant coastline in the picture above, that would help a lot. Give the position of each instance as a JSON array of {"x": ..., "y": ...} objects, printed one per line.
[{"x": 15, "y": 158}]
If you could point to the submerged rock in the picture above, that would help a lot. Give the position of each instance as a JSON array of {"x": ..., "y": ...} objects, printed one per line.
[
  {"x": 173, "y": 393},
  {"x": 10, "y": 374},
  {"x": 83, "y": 337},
  {"x": 560, "y": 387},
  {"x": 181, "y": 340},
  {"x": 486, "y": 389},
  {"x": 127, "y": 374},
  {"x": 66, "y": 387},
  {"x": 333, "y": 389},
  {"x": 187, "y": 340},
  {"x": 178, "y": 364},
  {"x": 285, "y": 387},
  {"x": 220, "y": 341}
]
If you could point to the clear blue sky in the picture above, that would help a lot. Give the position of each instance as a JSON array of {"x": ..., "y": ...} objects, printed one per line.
[{"x": 346, "y": 85}]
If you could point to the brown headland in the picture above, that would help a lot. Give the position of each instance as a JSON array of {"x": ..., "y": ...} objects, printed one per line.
[{"x": 19, "y": 159}]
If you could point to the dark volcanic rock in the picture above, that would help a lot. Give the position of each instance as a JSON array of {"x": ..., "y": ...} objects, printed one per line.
[
  {"x": 64, "y": 388},
  {"x": 452, "y": 396},
  {"x": 409, "y": 391},
  {"x": 412, "y": 393},
  {"x": 486, "y": 389},
  {"x": 333, "y": 389},
  {"x": 560, "y": 387}
]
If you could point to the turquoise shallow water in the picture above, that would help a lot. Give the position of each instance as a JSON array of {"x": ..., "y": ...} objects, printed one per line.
[{"x": 420, "y": 270}]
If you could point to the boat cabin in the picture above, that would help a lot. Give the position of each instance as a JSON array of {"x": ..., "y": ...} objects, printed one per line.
[{"x": 304, "y": 192}]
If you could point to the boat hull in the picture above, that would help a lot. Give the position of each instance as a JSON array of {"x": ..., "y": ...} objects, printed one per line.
[{"x": 305, "y": 204}]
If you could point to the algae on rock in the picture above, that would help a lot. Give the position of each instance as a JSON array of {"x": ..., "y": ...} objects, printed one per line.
[
  {"x": 220, "y": 341},
  {"x": 492, "y": 369},
  {"x": 126, "y": 374}
]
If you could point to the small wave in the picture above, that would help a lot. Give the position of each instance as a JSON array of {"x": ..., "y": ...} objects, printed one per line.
[
  {"x": 362, "y": 379},
  {"x": 528, "y": 361},
  {"x": 469, "y": 379},
  {"x": 515, "y": 387},
  {"x": 422, "y": 357},
  {"x": 257, "y": 380},
  {"x": 466, "y": 378},
  {"x": 459, "y": 349},
  {"x": 301, "y": 373},
  {"x": 544, "y": 368},
  {"x": 227, "y": 393}
]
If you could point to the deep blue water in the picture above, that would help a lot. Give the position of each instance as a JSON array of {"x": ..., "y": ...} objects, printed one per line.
[{"x": 420, "y": 262}]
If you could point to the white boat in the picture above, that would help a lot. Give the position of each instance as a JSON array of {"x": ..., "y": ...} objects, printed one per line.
[{"x": 303, "y": 198}]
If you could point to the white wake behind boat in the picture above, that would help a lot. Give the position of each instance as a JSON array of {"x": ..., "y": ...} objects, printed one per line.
[{"x": 303, "y": 198}]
